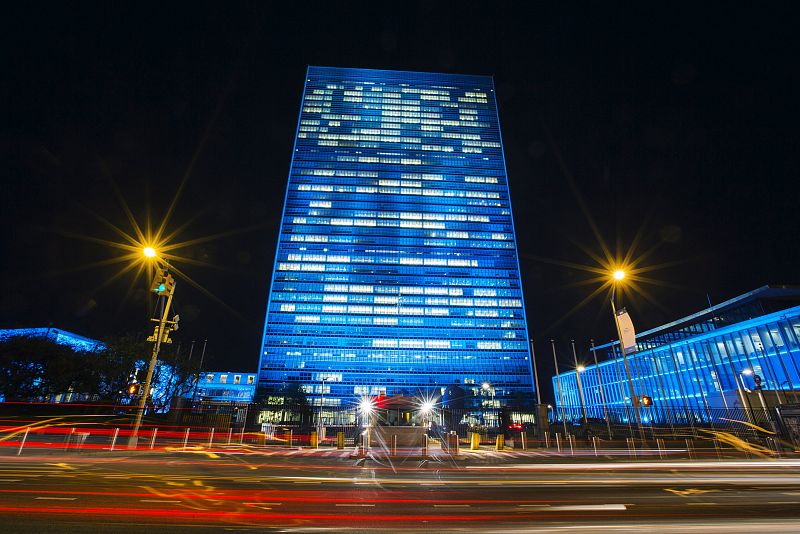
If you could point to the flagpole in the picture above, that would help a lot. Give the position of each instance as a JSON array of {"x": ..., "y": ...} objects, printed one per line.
[
  {"x": 580, "y": 386},
  {"x": 602, "y": 393},
  {"x": 634, "y": 399},
  {"x": 560, "y": 395}
]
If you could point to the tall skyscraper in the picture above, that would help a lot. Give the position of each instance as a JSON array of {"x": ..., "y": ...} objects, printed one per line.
[{"x": 396, "y": 270}]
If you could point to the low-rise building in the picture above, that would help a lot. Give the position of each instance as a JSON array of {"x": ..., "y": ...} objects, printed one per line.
[{"x": 737, "y": 358}]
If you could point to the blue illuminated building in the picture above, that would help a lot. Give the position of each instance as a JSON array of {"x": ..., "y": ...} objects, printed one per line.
[
  {"x": 396, "y": 270},
  {"x": 215, "y": 386},
  {"x": 738, "y": 356}
]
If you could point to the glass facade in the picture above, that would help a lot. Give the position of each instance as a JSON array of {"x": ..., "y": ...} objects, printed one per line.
[
  {"x": 396, "y": 270},
  {"x": 697, "y": 373}
]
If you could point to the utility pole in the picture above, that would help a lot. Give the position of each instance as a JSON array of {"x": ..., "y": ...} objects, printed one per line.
[
  {"x": 163, "y": 285},
  {"x": 634, "y": 399}
]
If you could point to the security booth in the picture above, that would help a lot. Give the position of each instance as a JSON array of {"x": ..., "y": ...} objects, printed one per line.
[{"x": 396, "y": 424}]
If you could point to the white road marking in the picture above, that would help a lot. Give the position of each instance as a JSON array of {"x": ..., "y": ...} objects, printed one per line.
[
  {"x": 10, "y": 480},
  {"x": 263, "y": 503},
  {"x": 56, "y": 498},
  {"x": 354, "y": 504},
  {"x": 158, "y": 500},
  {"x": 451, "y": 506}
]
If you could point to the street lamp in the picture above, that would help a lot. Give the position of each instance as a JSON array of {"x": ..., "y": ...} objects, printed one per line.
[
  {"x": 149, "y": 252},
  {"x": 163, "y": 285},
  {"x": 320, "y": 424},
  {"x": 579, "y": 368},
  {"x": 489, "y": 388},
  {"x": 618, "y": 276},
  {"x": 486, "y": 386}
]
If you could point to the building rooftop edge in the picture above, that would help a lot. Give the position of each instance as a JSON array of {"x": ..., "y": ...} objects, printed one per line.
[
  {"x": 489, "y": 77},
  {"x": 715, "y": 308}
]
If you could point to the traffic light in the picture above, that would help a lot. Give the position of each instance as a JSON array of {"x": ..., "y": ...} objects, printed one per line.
[
  {"x": 647, "y": 401},
  {"x": 163, "y": 283},
  {"x": 134, "y": 389}
]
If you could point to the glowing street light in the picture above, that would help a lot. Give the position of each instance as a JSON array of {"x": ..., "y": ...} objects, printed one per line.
[
  {"x": 149, "y": 252},
  {"x": 580, "y": 368},
  {"x": 619, "y": 274},
  {"x": 426, "y": 408},
  {"x": 366, "y": 406}
]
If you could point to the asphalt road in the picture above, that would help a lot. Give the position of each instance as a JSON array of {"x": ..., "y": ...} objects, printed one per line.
[{"x": 299, "y": 491}]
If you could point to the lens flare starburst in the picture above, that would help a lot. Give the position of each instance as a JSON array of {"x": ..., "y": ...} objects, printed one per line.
[{"x": 143, "y": 250}]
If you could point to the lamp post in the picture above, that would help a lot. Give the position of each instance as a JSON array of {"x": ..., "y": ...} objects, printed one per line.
[
  {"x": 487, "y": 387},
  {"x": 320, "y": 424},
  {"x": 618, "y": 276},
  {"x": 163, "y": 285},
  {"x": 578, "y": 370}
]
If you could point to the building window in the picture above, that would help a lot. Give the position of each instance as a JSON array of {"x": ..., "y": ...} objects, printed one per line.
[
  {"x": 251, "y": 380},
  {"x": 209, "y": 378},
  {"x": 237, "y": 379},
  {"x": 223, "y": 379}
]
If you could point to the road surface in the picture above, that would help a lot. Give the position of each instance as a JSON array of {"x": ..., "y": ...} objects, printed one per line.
[{"x": 237, "y": 489}]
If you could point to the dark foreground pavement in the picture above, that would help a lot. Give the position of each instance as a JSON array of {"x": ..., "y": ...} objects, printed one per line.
[{"x": 238, "y": 490}]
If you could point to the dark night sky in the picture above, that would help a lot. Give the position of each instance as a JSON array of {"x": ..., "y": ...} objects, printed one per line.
[{"x": 681, "y": 121}]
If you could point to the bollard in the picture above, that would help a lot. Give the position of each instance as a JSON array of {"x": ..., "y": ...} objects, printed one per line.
[
  {"x": 689, "y": 448},
  {"x": 211, "y": 438},
  {"x": 69, "y": 438},
  {"x": 425, "y": 446},
  {"x": 558, "y": 443},
  {"x": 186, "y": 438},
  {"x": 451, "y": 441},
  {"x": 291, "y": 434},
  {"x": 523, "y": 440},
  {"x": 594, "y": 444},
  {"x": 24, "y": 437},
  {"x": 717, "y": 449},
  {"x": 660, "y": 446},
  {"x": 313, "y": 441},
  {"x": 153, "y": 438},
  {"x": 340, "y": 440},
  {"x": 230, "y": 435},
  {"x": 114, "y": 439},
  {"x": 474, "y": 441},
  {"x": 547, "y": 440},
  {"x": 571, "y": 445},
  {"x": 394, "y": 444},
  {"x": 500, "y": 442}
]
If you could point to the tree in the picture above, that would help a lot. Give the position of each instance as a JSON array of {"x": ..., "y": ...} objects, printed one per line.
[{"x": 23, "y": 366}]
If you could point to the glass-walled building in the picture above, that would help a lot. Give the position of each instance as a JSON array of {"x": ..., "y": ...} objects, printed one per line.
[
  {"x": 737, "y": 357},
  {"x": 396, "y": 270}
]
